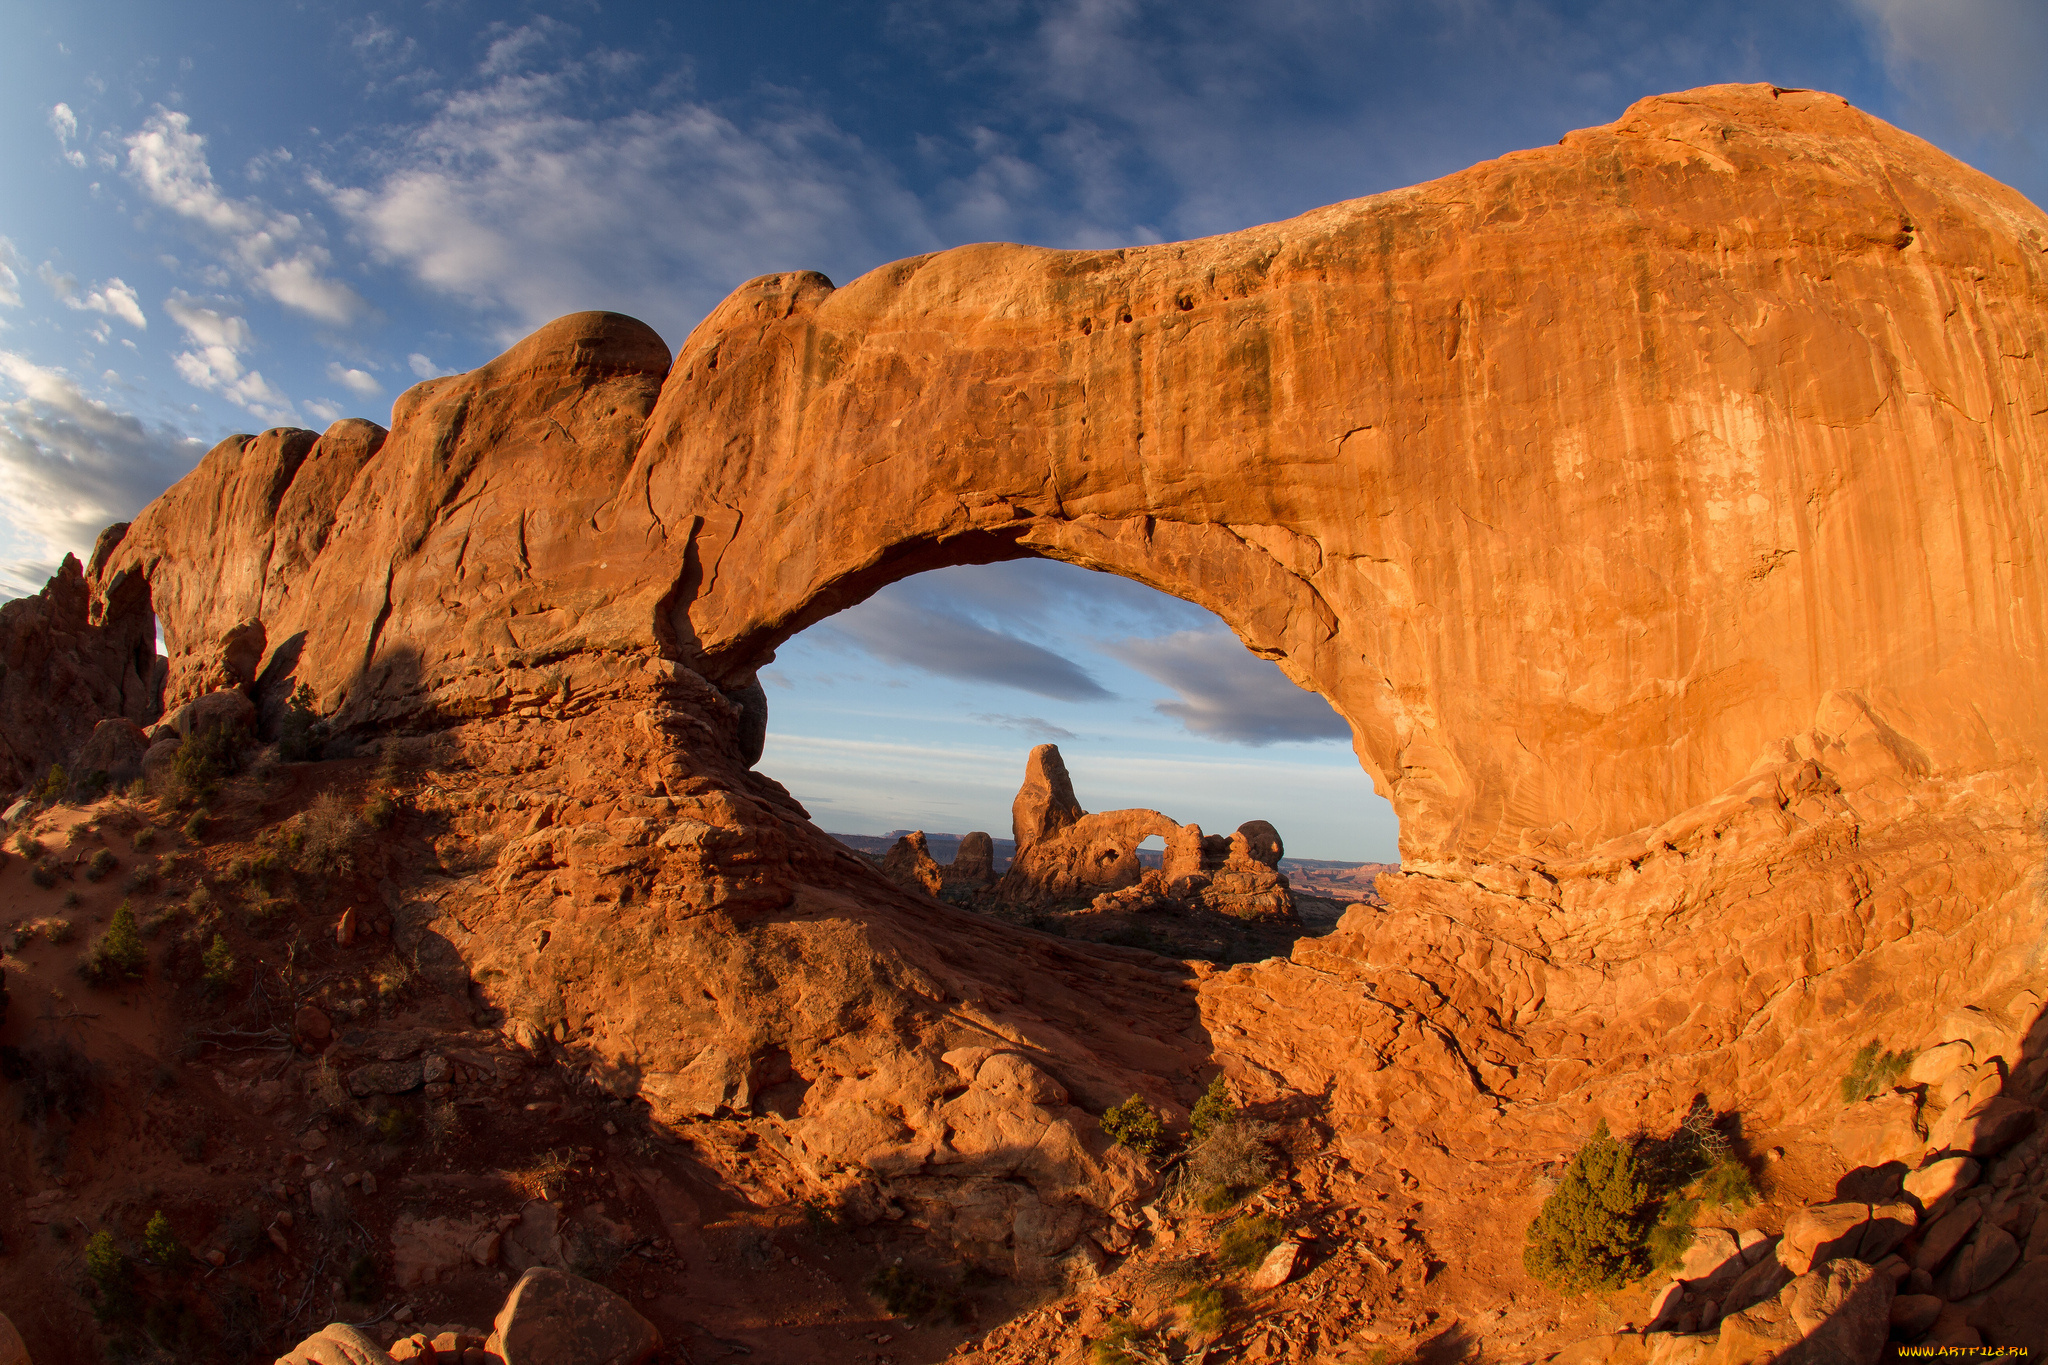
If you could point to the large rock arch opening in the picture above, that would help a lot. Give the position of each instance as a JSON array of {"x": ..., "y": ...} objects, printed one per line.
[{"x": 1662, "y": 509}]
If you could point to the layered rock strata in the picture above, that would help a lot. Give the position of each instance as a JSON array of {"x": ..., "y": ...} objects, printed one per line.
[{"x": 1662, "y": 509}]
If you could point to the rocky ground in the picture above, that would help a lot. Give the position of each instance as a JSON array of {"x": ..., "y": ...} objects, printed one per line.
[{"x": 340, "y": 1129}]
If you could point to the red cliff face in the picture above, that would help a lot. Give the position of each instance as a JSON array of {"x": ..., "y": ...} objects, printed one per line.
[{"x": 1663, "y": 509}]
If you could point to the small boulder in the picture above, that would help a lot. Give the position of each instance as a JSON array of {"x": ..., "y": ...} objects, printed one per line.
[
  {"x": 1820, "y": 1232},
  {"x": 312, "y": 1026},
  {"x": 1991, "y": 1034},
  {"x": 345, "y": 929},
  {"x": 1277, "y": 1268},
  {"x": 1945, "y": 1234},
  {"x": 336, "y": 1344},
  {"x": 214, "y": 710},
  {"x": 2015, "y": 1311},
  {"x": 435, "y": 1070},
  {"x": 157, "y": 761},
  {"x": 1980, "y": 1264},
  {"x": 554, "y": 1318},
  {"x": 1930, "y": 1066},
  {"x": 1008, "y": 1074},
  {"x": 1714, "y": 1253},
  {"x": 1844, "y": 1311},
  {"x": 116, "y": 748},
  {"x": 1992, "y": 1126},
  {"x": 386, "y": 1078},
  {"x": 1938, "y": 1181},
  {"x": 1880, "y": 1130},
  {"x": 1913, "y": 1314},
  {"x": 1760, "y": 1283},
  {"x": 13, "y": 1350}
]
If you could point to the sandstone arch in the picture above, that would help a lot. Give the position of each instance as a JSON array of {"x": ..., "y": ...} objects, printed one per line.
[
  {"x": 1570, "y": 548},
  {"x": 1663, "y": 509}
]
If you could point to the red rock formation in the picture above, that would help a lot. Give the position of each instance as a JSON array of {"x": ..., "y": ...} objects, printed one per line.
[
  {"x": 71, "y": 661},
  {"x": 1067, "y": 854},
  {"x": 909, "y": 863},
  {"x": 1662, "y": 509},
  {"x": 974, "y": 863}
]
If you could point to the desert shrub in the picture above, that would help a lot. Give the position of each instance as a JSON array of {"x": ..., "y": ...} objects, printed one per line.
[
  {"x": 101, "y": 863},
  {"x": 119, "y": 955},
  {"x": 205, "y": 759},
  {"x": 54, "y": 784},
  {"x": 263, "y": 918},
  {"x": 1592, "y": 1231},
  {"x": 1212, "y": 1110},
  {"x": 1872, "y": 1070},
  {"x": 592, "y": 1253},
  {"x": 330, "y": 833},
  {"x": 1115, "y": 1345},
  {"x": 27, "y": 845},
  {"x": 59, "y": 930},
  {"x": 71, "y": 900},
  {"x": 218, "y": 966},
  {"x": 1671, "y": 1236},
  {"x": 397, "y": 1126},
  {"x": 107, "y": 1267},
  {"x": 904, "y": 1295},
  {"x": 1204, "y": 1310},
  {"x": 139, "y": 879},
  {"x": 1229, "y": 1164},
  {"x": 545, "y": 1178},
  {"x": 379, "y": 810},
  {"x": 1728, "y": 1184},
  {"x": 94, "y": 784},
  {"x": 44, "y": 874},
  {"x": 195, "y": 827},
  {"x": 1246, "y": 1241},
  {"x": 160, "y": 1243},
  {"x": 1136, "y": 1125},
  {"x": 300, "y": 731},
  {"x": 145, "y": 838}
]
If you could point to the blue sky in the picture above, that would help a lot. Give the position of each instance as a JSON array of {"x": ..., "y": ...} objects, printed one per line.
[{"x": 217, "y": 218}]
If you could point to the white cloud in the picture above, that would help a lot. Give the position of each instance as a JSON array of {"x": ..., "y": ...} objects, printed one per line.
[
  {"x": 115, "y": 299},
  {"x": 276, "y": 252},
  {"x": 422, "y": 366},
  {"x": 64, "y": 124},
  {"x": 515, "y": 197},
  {"x": 70, "y": 465},
  {"x": 215, "y": 363},
  {"x": 207, "y": 326},
  {"x": 1228, "y": 693},
  {"x": 359, "y": 382},
  {"x": 324, "y": 410},
  {"x": 1981, "y": 58},
  {"x": 10, "y": 283}
]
